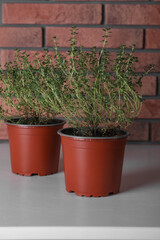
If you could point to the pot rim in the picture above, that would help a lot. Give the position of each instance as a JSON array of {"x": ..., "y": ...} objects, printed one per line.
[
  {"x": 63, "y": 121},
  {"x": 61, "y": 133}
]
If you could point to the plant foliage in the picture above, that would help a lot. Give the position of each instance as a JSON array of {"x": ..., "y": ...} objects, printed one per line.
[
  {"x": 97, "y": 93},
  {"x": 22, "y": 89},
  {"x": 100, "y": 94}
]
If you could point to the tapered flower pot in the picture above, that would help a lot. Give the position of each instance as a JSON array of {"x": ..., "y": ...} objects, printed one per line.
[
  {"x": 93, "y": 166},
  {"x": 34, "y": 149}
]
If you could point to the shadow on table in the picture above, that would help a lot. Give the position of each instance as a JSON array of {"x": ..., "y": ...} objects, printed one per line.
[{"x": 140, "y": 178}]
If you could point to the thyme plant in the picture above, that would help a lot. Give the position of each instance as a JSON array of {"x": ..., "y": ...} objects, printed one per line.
[
  {"x": 100, "y": 95},
  {"x": 22, "y": 91}
]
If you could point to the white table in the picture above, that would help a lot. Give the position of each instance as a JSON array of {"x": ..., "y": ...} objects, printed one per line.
[{"x": 40, "y": 208}]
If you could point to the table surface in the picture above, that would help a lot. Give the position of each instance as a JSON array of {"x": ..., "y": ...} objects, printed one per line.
[{"x": 42, "y": 201}]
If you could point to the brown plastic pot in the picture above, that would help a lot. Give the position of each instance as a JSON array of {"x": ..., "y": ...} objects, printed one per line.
[
  {"x": 93, "y": 166},
  {"x": 34, "y": 149}
]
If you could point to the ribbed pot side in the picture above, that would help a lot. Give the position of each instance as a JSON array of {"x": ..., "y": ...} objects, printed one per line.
[
  {"x": 34, "y": 149},
  {"x": 93, "y": 167}
]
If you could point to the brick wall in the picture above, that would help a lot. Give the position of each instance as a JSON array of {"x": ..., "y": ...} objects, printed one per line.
[{"x": 31, "y": 25}]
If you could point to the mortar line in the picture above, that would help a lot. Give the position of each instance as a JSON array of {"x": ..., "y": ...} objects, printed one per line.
[
  {"x": 144, "y": 38},
  {"x": 84, "y": 2},
  {"x": 129, "y": 142},
  {"x": 82, "y": 26},
  {"x": 146, "y": 120},
  {"x": 157, "y": 86},
  {"x": 103, "y": 15},
  {"x": 43, "y": 37},
  {"x": 114, "y": 50}
]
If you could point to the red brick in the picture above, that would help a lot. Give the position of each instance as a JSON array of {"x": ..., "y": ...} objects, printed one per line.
[
  {"x": 9, "y": 55},
  {"x": 89, "y": 37},
  {"x": 52, "y": 13},
  {"x": 3, "y": 131},
  {"x": 145, "y": 59},
  {"x": 139, "y": 131},
  {"x": 6, "y": 56},
  {"x": 156, "y": 132},
  {"x": 133, "y": 14},
  {"x": 20, "y": 37},
  {"x": 150, "y": 109},
  {"x": 152, "y": 38},
  {"x": 149, "y": 86},
  {"x": 158, "y": 86}
]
